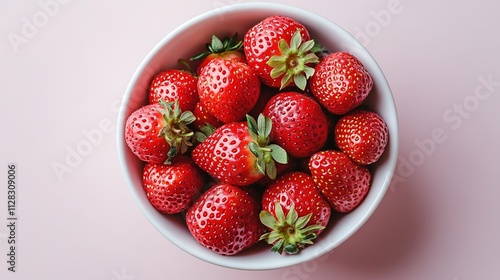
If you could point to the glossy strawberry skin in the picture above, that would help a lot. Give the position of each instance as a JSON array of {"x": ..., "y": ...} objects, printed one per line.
[
  {"x": 172, "y": 188},
  {"x": 260, "y": 43},
  {"x": 141, "y": 134},
  {"x": 340, "y": 82},
  {"x": 299, "y": 189},
  {"x": 225, "y": 219},
  {"x": 225, "y": 155},
  {"x": 299, "y": 123},
  {"x": 173, "y": 84},
  {"x": 342, "y": 182},
  {"x": 228, "y": 89},
  {"x": 362, "y": 135}
]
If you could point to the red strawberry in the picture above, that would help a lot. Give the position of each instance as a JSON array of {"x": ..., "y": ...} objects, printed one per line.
[
  {"x": 225, "y": 219},
  {"x": 295, "y": 212},
  {"x": 299, "y": 123},
  {"x": 227, "y": 48},
  {"x": 157, "y": 132},
  {"x": 279, "y": 50},
  {"x": 171, "y": 188},
  {"x": 174, "y": 84},
  {"x": 340, "y": 82},
  {"x": 228, "y": 89},
  {"x": 362, "y": 135},
  {"x": 341, "y": 181},
  {"x": 239, "y": 153}
]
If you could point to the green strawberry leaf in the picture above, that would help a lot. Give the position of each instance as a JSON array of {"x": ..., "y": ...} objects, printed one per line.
[
  {"x": 267, "y": 219},
  {"x": 271, "y": 170},
  {"x": 278, "y": 154},
  {"x": 215, "y": 45},
  {"x": 252, "y": 128}
]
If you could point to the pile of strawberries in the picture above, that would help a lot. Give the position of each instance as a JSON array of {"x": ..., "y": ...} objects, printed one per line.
[{"x": 263, "y": 141}]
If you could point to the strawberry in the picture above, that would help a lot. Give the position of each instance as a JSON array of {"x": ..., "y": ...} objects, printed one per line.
[
  {"x": 172, "y": 188},
  {"x": 279, "y": 50},
  {"x": 228, "y": 89},
  {"x": 299, "y": 123},
  {"x": 239, "y": 153},
  {"x": 294, "y": 211},
  {"x": 225, "y": 219},
  {"x": 157, "y": 132},
  {"x": 174, "y": 84},
  {"x": 340, "y": 82},
  {"x": 227, "y": 48},
  {"x": 362, "y": 135},
  {"x": 341, "y": 181}
]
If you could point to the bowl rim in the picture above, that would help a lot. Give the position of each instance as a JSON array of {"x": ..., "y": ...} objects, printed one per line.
[{"x": 232, "y": 262}]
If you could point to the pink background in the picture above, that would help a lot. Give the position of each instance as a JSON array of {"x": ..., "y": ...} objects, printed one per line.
[{"x": 65, "y": 66}]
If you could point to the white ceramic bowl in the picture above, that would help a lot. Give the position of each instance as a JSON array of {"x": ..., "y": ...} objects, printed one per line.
[{"x": 239, "y": 18}]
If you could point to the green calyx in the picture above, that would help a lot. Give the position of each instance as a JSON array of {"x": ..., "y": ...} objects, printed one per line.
[
  {"x": 267, "y": 154},
  {"x": 219, "y": 46},
  {"x": 176, "y": 131},
  {"x": 294, "y": 61},
  {"x": 287, "y": 233}
]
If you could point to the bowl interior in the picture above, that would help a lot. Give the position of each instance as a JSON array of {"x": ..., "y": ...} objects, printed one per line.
[{"x": 181, "y": 43}]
